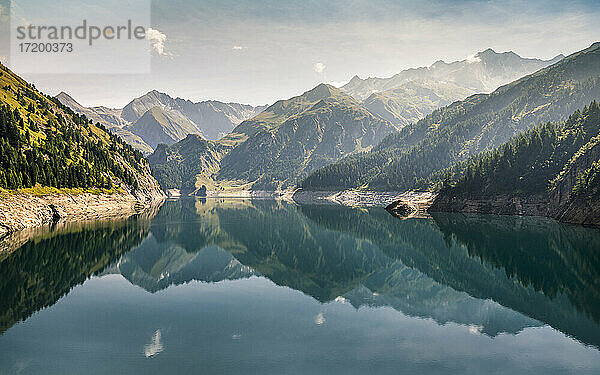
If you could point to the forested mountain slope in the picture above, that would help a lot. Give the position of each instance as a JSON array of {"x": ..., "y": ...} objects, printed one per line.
[
  {"x": 276, "y": 148},
  {"x": 551, "y": 170},
  {"x": 190, "y": 163},
  {"x": 292, "y": 138},
  {"x": 43, "y": 142},
  {"x": 407, "y": 159}
]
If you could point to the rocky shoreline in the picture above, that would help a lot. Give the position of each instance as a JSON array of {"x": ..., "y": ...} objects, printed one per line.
[
  {"x": 360, "y": 198},
  {"x": 352, "y": 198},
  {"x": 500, "y": 205},
  {"x": 19, "y": 211},
  {"x": 571, "y": 211}
]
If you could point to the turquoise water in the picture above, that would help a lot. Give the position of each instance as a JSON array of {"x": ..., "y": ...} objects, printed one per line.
[{"x": 240, "y": 286}]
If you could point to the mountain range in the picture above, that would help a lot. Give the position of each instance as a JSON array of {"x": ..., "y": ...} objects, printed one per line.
[
  {"x": 156, "y": 118},
  {"x": 414, "y": 93},
  {"x": 292, "y": 138},
  {"x": 417, "y": 155},
  {"x": 483, "y": 72},
  {"x": 276, "y": 148}
]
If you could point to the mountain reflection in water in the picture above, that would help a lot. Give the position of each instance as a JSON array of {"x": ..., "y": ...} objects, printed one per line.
[{"x": 495, "y": 275}]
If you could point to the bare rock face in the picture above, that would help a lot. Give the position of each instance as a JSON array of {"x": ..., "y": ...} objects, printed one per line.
[
  {"x": 401, "y": 209},
  {"x": 18, "y": 212},
  {"x": 173, "y": 193},
  {"x": 411, "y": 204},
  {"x": 583, "y": 210},
  {"x": 55, "y": 214}
]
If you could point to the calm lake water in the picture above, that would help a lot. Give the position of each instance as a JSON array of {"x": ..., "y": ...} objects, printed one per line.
[{"x": 241, "y": 286}]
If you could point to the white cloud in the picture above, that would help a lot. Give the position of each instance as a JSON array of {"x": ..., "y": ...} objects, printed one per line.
[
  {"x": 158, "y": 41},
  {"x": 337, "y": 83},
  {"x": 155, "y": 346},
  {"x": 238, "y": 48},
  {"x": 319, "y": 319},
  {"x": 473, "y": 59},
  {"x": 319, "y": 67},
  {"x": 475, "y": 329}
]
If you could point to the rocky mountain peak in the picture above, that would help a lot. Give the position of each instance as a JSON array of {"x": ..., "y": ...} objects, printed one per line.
[{"x": 321, "y": 91}]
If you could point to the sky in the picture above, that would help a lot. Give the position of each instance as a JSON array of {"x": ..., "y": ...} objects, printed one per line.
[{"x": 259, "y": 51}]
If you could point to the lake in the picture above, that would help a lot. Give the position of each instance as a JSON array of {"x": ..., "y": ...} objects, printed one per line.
[{"x": 230, "y": 286}]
